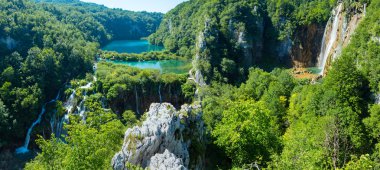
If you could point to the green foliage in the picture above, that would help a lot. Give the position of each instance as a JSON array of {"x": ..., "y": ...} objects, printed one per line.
[
  {"x": 326, "y": 121},
  {"x": 50, "y": 44},
  {"x": 102, "y": 23},
  {"x": 88, "y": 146},
  {"x": 124, "y": 86},
  {"x": 286, "y": 15},
  {"x": 373, "y": 122},
  {"x": 227, "y": 108},
  {"x": 364, "y": 47},
  {"x": 155, "y": 55},
  {"x": 270, "y": 119},
  {"x": 247, "y": 132},
  {"x": 129, "y": 117},
  {"x": 188, "y": 89},
  {"x": 305, "y": 144},
  {"x": 364, "y": 162},
  {"x": 5, "y": 123}
]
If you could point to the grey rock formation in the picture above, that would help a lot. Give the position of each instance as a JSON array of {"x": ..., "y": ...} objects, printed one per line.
[
  {"x": 164, "y": 129},
  {"x": 166, "y": 161}
]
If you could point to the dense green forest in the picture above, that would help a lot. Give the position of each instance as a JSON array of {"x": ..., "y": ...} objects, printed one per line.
[
  {"x": 44, "y": 46},
  {"x": 255, "y": 112}
]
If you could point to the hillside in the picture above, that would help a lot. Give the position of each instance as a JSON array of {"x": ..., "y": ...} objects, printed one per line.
[
  {"x": 44, "y": 46},
  {"x": 264, "y": 84}
]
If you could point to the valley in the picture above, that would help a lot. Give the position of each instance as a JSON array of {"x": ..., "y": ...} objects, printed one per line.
[{"x": 211, "y": 84}]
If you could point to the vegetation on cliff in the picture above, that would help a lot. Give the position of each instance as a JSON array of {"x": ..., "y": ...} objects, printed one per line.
[
  {"x": 253, "y": 118},
  {"x": 45, "y": 45}
]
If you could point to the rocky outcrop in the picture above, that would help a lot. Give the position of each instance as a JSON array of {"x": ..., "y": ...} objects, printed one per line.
[
  {"x": 195, "y": 73},
  {"x": 306, "y": 45},
  {"x": 311, "y": 46},
  {"x": 165, "y": 134},
  {"x": 165, "y": 161},
  {"x": 338, "y": 31}
]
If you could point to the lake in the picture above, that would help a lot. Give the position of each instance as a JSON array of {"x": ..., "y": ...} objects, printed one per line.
[
  {"x": 131, "y": 46},
  {"x": 165, "y": 66},
  {"x": 314, "y": 70}
]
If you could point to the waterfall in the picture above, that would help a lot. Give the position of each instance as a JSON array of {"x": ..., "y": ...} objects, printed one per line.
[
  {"x": 159, "y": 92},
  {"x": 68, "y": 105},
  {"x": 82, "y": 108},
  {"x": 24, "y": 148},
  {"x": 326, "y": 49},
  {"x": 137, "y": 101},
  {"x": 52, "y": 121},
  {"x": 87, "y": 86}
]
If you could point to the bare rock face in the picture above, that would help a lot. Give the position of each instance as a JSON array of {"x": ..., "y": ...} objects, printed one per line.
[
  {"x": 312, "y": 40},
  {"x": 166, "y": 161},
  {"x": 307, "y": 44},
  {"x": 165, "y": 135}
]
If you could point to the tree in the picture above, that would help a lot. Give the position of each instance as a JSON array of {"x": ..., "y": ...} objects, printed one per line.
[
  {"x": 5, "y": 125},
  {"x": 247, "y": 132}
]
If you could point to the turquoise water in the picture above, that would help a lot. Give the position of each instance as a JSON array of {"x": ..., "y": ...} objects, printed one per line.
[
  {"x": 314, "y": 70},
  {"x": 165, "y": 66},
  {"x": 131, "y": 46}
]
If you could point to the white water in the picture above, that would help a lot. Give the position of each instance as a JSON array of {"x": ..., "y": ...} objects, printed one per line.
[
  {"x": 24, "y": 148},
  {"x": 88, "y": 85},
  {"x": 159, "y": 92},
  {"x": 68, "y": 105},
  {"x": 326, "y": 49},
  {"x": 137, "y": 101},
  {"x": 82, "y": 108}
]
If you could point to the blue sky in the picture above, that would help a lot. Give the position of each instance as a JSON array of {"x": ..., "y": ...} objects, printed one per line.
[{"x": 140, "y": 5}]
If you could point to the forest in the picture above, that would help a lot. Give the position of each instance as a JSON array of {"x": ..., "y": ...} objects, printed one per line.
[
  {"x": 256, "y": 113},
  {"x": 44, "y": 46}
]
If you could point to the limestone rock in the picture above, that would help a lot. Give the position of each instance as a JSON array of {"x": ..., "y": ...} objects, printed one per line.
[
  {"x": 164, "y": 129},
  {"x": 166, "y": 161}
]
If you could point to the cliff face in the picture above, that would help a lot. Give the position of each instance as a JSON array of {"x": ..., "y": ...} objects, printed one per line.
[
  {"x": 210, "y": 37},
  {"x": 250, "y": 44},
  {"x": 141, "y": 96},
  {"x": 165, "y": 135},
  {"x": 337, "y": 35},
  {"x": 250, "y": 37},
  {"x": 318, "y": 45},
  {"x": 306, "y": 45}
]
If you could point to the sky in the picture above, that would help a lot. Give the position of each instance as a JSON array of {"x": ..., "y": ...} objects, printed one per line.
[{"x": 140, "y": 5}]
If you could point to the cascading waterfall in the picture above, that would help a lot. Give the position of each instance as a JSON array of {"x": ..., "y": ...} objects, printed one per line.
[
  {"x": 326, "y": 49},
  {"x": 52, "y": 120},
  {"x": 24, "y": 148},
  {"x": 68, "y": 105},
  {"x": 82, "y": 108},
  {"x": 159, "y": 92},
  {"x": 137, "y": 101}
]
